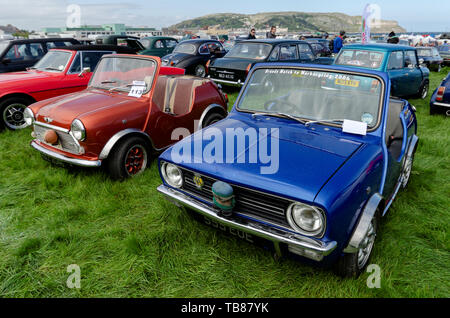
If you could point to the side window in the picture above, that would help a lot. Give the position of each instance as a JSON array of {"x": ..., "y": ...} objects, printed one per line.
[
  {"x": 275, "y": 53},
  {"x": 171, "y": 43},
  {"x": 91, "y": 59},
  {"x": 203, "y": 49},
  {"x": 159, "y": 44},
  {"x": 23, "y": 52},
  {"x": 288, "y": 52},
  {"x": 395, "y": 60},
  {"x": 305, "y": 52},
  {"x": 76, "y": 64},
  {"x": 52, "y": 45},
  {"x": 214, "y": 48},
  {"x": 410, "y": 58},
  {"x": 435, "y": 52}
]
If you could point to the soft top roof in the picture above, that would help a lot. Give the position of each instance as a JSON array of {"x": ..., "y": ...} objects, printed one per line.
[
  {"x": 43, "y": 40},
  {"x": 99, "y": 47},
  {"x": 379, "y": 47}
]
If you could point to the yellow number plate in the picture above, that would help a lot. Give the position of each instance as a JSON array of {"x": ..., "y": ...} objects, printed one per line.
[{"x": 344, "y": 82}]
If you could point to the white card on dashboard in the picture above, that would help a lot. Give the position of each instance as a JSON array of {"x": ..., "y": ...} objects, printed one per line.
[{"x": 354, "y": 127}]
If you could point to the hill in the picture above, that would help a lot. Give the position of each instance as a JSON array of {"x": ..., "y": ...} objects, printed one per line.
[{"x": 294, "y": 21}]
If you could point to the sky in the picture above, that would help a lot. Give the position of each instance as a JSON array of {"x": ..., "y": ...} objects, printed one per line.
[{"x": 414, "y": 15}]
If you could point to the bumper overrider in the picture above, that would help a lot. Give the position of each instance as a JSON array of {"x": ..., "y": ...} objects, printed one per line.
[
  {"x": 307, "y": 247},
  {"x": 64, "y": 158}
]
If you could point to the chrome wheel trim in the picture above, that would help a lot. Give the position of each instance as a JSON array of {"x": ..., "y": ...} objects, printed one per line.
[
  {"x": 366, "y": 246},
  {"x": 424, "y": 92},
  {"x": 13, "y": 116},
  {"x": 200, "y": 71}
]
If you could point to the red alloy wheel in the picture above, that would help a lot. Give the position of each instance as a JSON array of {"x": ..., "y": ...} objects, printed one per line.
[{"x": 135, "y": 160}]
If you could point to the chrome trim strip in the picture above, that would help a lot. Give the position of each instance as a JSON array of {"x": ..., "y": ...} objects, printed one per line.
[
  {"x": 252, "y": 228},
  {"x": 227, "y": 82},
  {"x": 441, "y": 104},
  {"x": 363, "y": 225},
  {"x": 63, "y": 158},
  {"x": 114, "y": 139},
  {"x": 51, "y": 127}
]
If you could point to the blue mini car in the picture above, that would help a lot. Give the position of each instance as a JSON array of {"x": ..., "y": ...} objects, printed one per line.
[
  {"x": 408, "y": 77},
  {"x": 440, "y": 100},
  {"x": 307, "y": 169}
]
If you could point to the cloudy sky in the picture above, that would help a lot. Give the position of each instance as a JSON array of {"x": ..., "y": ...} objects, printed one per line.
[{"x": 35, "y": 14}]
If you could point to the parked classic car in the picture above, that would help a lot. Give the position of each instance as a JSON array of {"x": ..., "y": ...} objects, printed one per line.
[
  {"x": 17, "y": 55},
  {"x": 158, "y": 45},
  {"x": 127, "y": 114},
  {"x": 431, "y": 57},
  {"x": 59, "y": 72},
  {"x": 408, "y": 77},
  {"x": 444, "y": 51},
  {"x": 192, "y": 55},
  {"x": 339, "y": 153},
  {"x": 440, "y": 100},
  {"x": 233, "y": 68},
  {"x": 121, "y": 40}
]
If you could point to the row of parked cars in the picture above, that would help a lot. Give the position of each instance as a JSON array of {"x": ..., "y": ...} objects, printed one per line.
[{"x": 341, "y": 145}]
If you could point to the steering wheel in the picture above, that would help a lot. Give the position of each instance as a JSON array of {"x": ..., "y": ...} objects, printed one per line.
[{"x": 278, "y": 102}]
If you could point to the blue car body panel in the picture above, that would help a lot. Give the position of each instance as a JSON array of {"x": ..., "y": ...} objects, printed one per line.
[
  {"x": 324, "y": 167},
  {"x": 445, "y": 102}
]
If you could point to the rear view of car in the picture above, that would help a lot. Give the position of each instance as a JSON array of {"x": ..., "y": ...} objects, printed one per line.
[{"x": 440, "y": 101}]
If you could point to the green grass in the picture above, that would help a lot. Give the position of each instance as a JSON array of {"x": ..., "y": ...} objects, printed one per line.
[{"x": 130, "y": 242}]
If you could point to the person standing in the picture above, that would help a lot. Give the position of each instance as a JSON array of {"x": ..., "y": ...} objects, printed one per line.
[
  {"x": 252, "y": 34},
  {"x": 272, "y": 34},
  {"x": 338, "y": 42}
]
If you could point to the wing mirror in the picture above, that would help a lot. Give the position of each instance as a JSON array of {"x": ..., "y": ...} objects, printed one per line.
[
  {"x": 421, "y": 61},
  {"x": 84, "y": 71}
]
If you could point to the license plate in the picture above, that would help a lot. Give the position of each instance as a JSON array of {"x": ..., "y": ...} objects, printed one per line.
[
  {"x": 235, "y": 232},
  {"x": 226, "y": 76}
]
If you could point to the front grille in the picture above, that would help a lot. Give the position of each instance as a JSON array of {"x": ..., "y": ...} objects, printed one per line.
[
  {"x": 248, "y": 202},
  {"x": 65, "y": 141}
]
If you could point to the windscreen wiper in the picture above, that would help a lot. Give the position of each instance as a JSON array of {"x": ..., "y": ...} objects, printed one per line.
[
  {"x": 328, "y": 121},
  {"x": 52, "y": 69},
  {"x": 278, "y": 114}
]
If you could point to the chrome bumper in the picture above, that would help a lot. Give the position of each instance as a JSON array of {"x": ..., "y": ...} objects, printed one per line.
[
  {"x": 226, "y": 82},
  {"x": 441, "y": 104},
  {"x": 317, "y": 247},
  {"x": 63, "y": 158}
]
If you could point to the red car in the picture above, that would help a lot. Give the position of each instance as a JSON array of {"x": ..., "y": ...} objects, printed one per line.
[
  {"x": 60, "y": 71},
  {"x": 125, "y": 116}
]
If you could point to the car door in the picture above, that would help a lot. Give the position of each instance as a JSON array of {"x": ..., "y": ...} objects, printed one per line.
[
  {"x": 396, "y": 138},
  {"x": 396, "y": 71},
  {"x": 289, "y": 53},
  {"x": 413, "y": 73}
]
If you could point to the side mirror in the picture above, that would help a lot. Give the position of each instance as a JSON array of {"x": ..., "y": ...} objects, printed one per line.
[
  {"x": 421, "y": 61},
  {"x": 6, "y": 60},
  {"x": 84, "y": 71}
]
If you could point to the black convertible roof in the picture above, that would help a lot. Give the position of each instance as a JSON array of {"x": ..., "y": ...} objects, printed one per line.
[
  {"x": 99, "y": 47},
  {"x": 43, "y": 40}
]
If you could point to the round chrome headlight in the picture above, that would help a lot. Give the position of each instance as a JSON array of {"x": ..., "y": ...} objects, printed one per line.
[
  {"x": 172, "y": 175},
  {"x": 28, "y": 116},
  {"x": 77, "y": 129},
  {"x": 306, "y": 219}
]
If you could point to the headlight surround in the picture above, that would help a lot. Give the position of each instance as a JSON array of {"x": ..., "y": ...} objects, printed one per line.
[
  {"x": 77, "y": 129},
  {"x": 306, "y": 219},
  {"x": 28, "y": 116},
  {"x": 172, "y": 174}
]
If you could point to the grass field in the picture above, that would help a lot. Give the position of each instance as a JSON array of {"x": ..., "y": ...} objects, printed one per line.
[{"x": 130, "y": 242}]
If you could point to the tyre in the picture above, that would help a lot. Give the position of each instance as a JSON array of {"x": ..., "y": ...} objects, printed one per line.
[
  {"x": 212, "y": 119},
  {"x": 423, "y": 92},
  {"x": 200, "y": 70},
  {"x": 353, "y": 264},
  {"x": 11, "y": 112},
  {"x": 128, "y": 159}
]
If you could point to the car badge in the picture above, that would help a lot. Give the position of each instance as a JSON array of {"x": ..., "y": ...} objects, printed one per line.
[
  {"x": 199, "y": 183},
  {"x": 48, "y": 120}
]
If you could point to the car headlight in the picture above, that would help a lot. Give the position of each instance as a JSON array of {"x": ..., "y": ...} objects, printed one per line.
[
  {"x": 172, "y": 175},
  {"x": 28, "y": 116},
  {"x": 77, "y": 129},
  {"x": 306, "y": 219}
]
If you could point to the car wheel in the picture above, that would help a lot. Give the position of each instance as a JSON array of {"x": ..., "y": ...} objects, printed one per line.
[
  {"x": 128, "y": 159},
  {"x": 200, "y": 71},
  {"x": 424, "y": 91},
  {"x": 407, "y": 168},
  {"x": 11, "y": 113},
  {"x": 212, "y": 119},
  {"x": 353, "y": 264}
]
